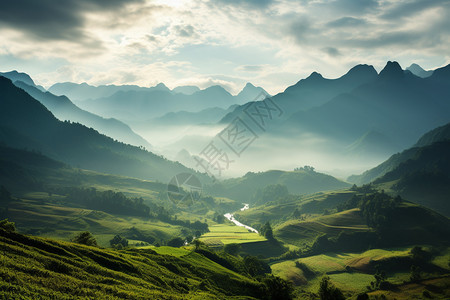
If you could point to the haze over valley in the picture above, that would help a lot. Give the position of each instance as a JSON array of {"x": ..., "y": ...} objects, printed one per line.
[{"x": 224, "y": 149}]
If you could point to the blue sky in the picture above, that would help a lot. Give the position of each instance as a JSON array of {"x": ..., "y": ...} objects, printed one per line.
[{"x": 229, "y": 42}]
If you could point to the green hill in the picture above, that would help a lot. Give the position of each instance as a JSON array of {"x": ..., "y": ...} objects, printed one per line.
[
  {"x": 379, "y": 222},
  {"x": 301, "y": 181},
  {"x": 37, "y": 268}
]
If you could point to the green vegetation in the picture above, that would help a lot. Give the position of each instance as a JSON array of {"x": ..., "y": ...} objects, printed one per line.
[
  {"x": 228, "y": 233},
  {"x": 329, "y": 292},
  {"x": 259, "y": 187},
  {"x": 45, "y": 269},
  {"x": 85, "y": 238}
]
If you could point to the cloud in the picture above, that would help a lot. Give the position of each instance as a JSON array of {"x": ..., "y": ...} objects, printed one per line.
[
  {"x": 331, "y": 51},
  {"x": 246, "y": 3},
  {"x": 53, "y": 20},
  {"x": 353, "y": 6},
  {"x": 346, "y": 22},
  {"x": 251, "y": 68},
  {"x": 408, "y": 9},
  {"x": 185, "y": 31},
  {"x": 301, "y": 30}
]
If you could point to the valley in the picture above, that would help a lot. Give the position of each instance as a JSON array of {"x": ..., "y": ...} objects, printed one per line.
[{"x": 181, "y": 160}]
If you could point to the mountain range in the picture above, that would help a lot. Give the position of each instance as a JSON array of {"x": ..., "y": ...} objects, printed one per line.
[
  {"x": 132, "y": 103},
  {"x": 394, "y": 108},
  {"x": 26, "y": 123}
]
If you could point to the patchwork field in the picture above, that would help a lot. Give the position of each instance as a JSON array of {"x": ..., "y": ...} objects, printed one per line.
[
  {"x": 222, "y": 234},
  {"x": 353, "y": 272}
]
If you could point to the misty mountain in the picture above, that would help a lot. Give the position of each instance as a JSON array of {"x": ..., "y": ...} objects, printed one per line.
[
  {"x": 206, "y": 116},
  {"x": 398, "y": 105},
  {"x": 440, "y": 134},
  {"x": 64, "y": 109},
  {"x": 425, "y": 177},
  {"x": 25, "y": 121},
  {"x": 84, "y": 91},
  {"x": 23, "y": 77},
  {"x": 372, "y": 143},
  {"x": 187, "y": 89},
  {"x": 249, "y": 93},
  {"x": 315, "y": 90},
  {"x": 302, "y": 181},
  {"x": 146, "y": 104},
  {"x": 419, "y": 71}
]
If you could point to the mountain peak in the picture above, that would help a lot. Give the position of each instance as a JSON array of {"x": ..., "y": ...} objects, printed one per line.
[
  {"x": 314, "y": 76},
  {"x": 161, "y": 87},
  {"x": 392, "y": 70},
  {"x": 18, "y": 76},
  {"x": 249, "y": 85},
  {"x": 419, "y": 71},
  {"x": 361, "y": 70}
]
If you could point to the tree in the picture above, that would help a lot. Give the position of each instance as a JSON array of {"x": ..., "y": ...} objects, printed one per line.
[
  {"x": 277, "y": 288},
  {"x": 176, "y": 242},
  {"x": 220, "y": 219},
  {"x": 415, "y": 274},
  {"x": 197, "y": 244},
  {"x": 85, "y": 238},
  {"x": 232, "y": 249},
  {"x": 8, "y": 226},
  {"x": 267, "y": 231},
  {"x": 327, "y": 291},
  {"x": 255, "y": 267},
  {"x": 118, "y": 240}
]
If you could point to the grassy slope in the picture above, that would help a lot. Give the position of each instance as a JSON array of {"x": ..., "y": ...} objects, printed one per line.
[
  {"x": 361, "y": 269},
  {"x": 62, "y": 222},
  {"x": 303, "y": 232},
  {"x": 309, "y": 204},
  {"x": 33, "y": 268}
]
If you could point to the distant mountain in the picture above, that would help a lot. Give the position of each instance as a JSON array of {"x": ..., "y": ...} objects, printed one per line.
[
  {"x": 23, "y": 77},
  {"x": 206, "y": 116},
  {"x": 372, "y": 143},
  {"x": 25, "y": 121},
  {"x": 398, "y": 105},
  {"x": 298, "y": 182},
  {"x": 64, "y": 109},
  {"x": 439, "y": 134},
  {"x": 420, "y": 174},
  {"x": 316, "y": 90},
  {"x": 418, "y": 71},
  {"x": 146, "y": 104},
  {"x": 424, "y": 178},
  {"x": 249, "y": 93},
  {"x": 187, "y": 89},
  {"x": 84, "y": 91}
]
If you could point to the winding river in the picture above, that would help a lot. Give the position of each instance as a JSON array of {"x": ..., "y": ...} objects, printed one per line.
[{"x": 230, "y": 217}]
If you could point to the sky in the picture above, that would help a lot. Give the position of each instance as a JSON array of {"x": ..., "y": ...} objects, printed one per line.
[{"x": 272, "y": 44}]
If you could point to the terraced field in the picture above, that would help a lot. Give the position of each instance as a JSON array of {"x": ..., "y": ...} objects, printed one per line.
[{"x": 222, "y": 234}]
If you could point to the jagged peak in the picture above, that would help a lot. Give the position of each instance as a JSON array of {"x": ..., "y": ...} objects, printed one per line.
[{"x": 392, "y": 70}]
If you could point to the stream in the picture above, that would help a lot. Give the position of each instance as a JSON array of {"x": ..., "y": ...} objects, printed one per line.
[{"x": 230, "y": 217}]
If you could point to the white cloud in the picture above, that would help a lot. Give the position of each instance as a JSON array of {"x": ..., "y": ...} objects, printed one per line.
[{"x": 268, "y": 43}]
